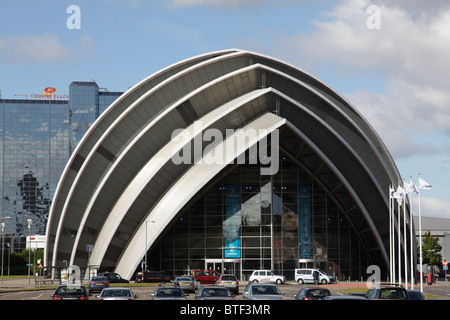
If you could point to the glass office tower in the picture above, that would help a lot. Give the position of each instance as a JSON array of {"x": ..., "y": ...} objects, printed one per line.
[{"x": 37, "y": 138}]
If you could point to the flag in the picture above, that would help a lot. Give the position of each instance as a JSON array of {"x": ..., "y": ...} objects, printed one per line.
[
  {"x": 411, "y": 187},
  {"x": 423, "y": 184},
  {"x": 399, "y": 194}
]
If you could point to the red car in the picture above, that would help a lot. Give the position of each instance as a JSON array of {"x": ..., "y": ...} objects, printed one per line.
[{"x": 206, "y": 276}]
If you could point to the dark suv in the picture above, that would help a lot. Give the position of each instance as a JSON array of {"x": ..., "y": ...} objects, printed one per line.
[
  {"x": 387, "y": 292},
  {"x": 113, "y": 277}
]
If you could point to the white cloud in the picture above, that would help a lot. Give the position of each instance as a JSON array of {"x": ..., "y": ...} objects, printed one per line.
[
  {"x": 431, "y": 207},
  {"x": 32, "y": 48},
  {"x": 45, "y": 48},
  {"x": 410, "y": 51}
]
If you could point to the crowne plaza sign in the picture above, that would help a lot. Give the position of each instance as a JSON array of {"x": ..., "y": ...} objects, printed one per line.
[{"x": 50, "y": 94}]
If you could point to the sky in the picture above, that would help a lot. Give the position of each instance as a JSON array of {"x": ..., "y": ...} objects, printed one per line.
[{"x": 389, "y": 59}]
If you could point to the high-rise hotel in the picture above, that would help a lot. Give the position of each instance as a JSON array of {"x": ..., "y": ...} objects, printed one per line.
[{"x": 38, "y": 133}]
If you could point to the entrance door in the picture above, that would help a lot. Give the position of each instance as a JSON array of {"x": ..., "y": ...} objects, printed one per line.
[
  {"x": 228, "y": 266},
  {"x": 232, "y": 267}
]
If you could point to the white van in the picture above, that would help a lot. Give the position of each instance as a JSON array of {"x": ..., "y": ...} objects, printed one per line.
[
  {"x": 266, "y": 276},
  {"x": 307, "y": 276}
]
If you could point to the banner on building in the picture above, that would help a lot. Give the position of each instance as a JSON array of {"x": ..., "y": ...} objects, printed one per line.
[{"x": 232, "y": 223}]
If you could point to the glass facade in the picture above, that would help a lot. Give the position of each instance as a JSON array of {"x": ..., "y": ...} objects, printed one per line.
[
  {"x": 37, "y": 138},
  {"x": 246, "y": 221}
]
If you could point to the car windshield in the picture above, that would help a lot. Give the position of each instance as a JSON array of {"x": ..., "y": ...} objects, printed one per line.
[
  {"x": 265, "y": 290},
  {"x": 70, "y": 290},
  {"x": 392, "y": 294},
  {"x": 116, "y": 293},
  {"x": 228, "y": 278},
  {"x": 318, "y": 293},
  {"x": 215, "y": 292},
  {"x": 184, "y": 279},
  {"x": 99, "y": 279},
  {"x": 169, "y": 292}
]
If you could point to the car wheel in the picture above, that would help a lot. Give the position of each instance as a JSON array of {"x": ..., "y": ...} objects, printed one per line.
[
  {"x": 279, "y": 281},
  {"x": 255, "y": 281},
  {"x": 324, "y": 281},
  {"x": 300, "y": 281}
]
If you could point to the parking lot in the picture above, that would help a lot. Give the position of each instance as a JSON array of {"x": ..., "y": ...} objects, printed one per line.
[{"x": 15, "y": 292}]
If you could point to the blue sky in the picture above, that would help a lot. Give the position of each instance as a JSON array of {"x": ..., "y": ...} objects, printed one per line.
[{"x": 396, "y": 75}]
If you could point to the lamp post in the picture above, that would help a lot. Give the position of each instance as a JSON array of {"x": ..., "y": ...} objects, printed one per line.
[
  {"x": 29, "y": 249},
  {"x": 3, "y": 241},
  {"x": 152, "y": 221}
]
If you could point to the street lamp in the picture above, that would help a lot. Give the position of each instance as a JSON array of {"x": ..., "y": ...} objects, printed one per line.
[
  {"x": 29, "y": 249},
  {"x": 3, "y": 241},
  {"x": 152, "y": 221}
]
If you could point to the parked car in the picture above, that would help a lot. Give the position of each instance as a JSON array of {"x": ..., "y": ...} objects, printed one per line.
[
  {"x": 262, "y": 291},
  {"x": 187, "y": 283},
  {"x": 153, "y": 276},
  {"x": 416, "y": 295},
  {"x": 266, "y": 276},
  {"x": 113, "y": 277},
  {"x": 97, "y": 284},
  {"x": 214, "y": 293},
  {"x": 312, "y": 294},
  {"x": 229, "y": 281},
  {"x": 70, "y": 292},
  {"x": 387, "y": 292},
  {"x": 117, "y": 293},
  {"x": 306, "y": 275},
  {"x": 206, "y": 276},
  {"x": 169, "y": 293}
]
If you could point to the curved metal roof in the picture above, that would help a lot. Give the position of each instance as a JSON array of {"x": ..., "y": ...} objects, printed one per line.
[{"x": 121, "y": 176}]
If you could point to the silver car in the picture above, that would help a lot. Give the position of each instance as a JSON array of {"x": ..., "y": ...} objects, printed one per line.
[
  {"x": 187, "y": 283},
  {"x": 262, "y": 291},
  {"x": 229, "y": 281},
  {"x": 117, "y": 293}
]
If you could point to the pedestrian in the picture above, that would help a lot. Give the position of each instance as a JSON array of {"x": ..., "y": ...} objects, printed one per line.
[{"x": 316, "y": 277}]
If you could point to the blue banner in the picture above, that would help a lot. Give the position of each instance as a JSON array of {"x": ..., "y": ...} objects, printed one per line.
[
  {"x": 232, "y": 223},
  {"x": 304, "y": 222}
]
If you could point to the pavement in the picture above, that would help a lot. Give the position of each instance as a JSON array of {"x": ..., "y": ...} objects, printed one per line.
[{"x": 24, "y": 283}]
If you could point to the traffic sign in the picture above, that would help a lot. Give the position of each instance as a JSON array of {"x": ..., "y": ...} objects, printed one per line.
[{"x": 444, "y": 263}]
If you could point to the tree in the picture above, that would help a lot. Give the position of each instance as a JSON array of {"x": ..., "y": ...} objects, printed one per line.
[{"x": 431, "y": 250}]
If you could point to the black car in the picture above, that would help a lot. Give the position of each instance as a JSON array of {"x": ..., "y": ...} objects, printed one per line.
[
  {"x": 312, "y": 294},
  {"x": 416, "y": 295},
  {"x": 113, "y": 277},
  {"x": 387, "y": 292},
  {"x": 70, "y": 292}
]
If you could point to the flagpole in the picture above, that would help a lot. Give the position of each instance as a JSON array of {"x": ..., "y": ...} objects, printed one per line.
[
  {"x": 399, "y": 247},
  {"x": 420, "y": 244},
  {"x": 404, "y": 238},
  {"x": 411, "y": 235},
  {"x": 390, "y": 234},
  {"x": 393, "y": 239}
]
